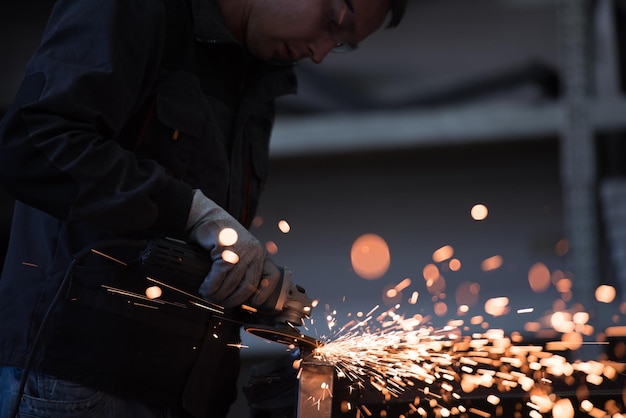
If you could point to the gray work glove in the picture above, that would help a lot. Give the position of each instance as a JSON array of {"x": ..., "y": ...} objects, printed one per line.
[{"x": 248, "y": 276}]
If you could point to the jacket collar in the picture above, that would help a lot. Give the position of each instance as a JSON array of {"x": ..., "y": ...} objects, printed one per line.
[
  {"x": 209, "y": 23},
  {"x": 210, "y": 27}
]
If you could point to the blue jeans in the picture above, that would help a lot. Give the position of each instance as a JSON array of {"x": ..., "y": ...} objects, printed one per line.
[{"x": 47, "y": 397}]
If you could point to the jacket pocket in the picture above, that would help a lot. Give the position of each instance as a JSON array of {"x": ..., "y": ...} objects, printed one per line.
[
  {"x": 179, "y": 122},
  {"x": 181, "y": 104}
]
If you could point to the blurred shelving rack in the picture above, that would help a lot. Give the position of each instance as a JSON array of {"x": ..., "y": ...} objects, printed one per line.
[{"x": 574, "y": 120}]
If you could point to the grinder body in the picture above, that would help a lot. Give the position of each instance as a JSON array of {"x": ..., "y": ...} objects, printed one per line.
[{"x": 185, "y": 266}]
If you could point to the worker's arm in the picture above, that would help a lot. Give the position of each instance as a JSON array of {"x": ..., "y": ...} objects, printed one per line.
[{"x": 95, "y": 67}]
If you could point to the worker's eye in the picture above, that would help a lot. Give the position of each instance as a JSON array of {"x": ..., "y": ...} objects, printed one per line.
[{"x": 338, "y": 21}]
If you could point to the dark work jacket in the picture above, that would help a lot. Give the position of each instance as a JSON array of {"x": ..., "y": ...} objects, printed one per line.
[{"x": 126, "y": 106}]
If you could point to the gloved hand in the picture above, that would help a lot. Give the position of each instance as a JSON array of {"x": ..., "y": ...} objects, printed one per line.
[{"x": 248, "y": 276}]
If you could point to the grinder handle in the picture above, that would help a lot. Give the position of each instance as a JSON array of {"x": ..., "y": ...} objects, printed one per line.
[{"x": 185, "y": 266}]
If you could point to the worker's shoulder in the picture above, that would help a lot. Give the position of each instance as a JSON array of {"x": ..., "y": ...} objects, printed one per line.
[{"x": 144, "y": 10}]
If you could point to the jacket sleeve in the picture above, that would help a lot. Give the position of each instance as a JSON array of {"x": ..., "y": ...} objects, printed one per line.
[{"x": 95, "y": 65}]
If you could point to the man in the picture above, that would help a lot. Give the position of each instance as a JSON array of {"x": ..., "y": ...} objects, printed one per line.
[{"x": 140, "y": 119}]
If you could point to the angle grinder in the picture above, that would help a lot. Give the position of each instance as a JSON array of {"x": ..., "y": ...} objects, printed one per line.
[{"x": 185, "y": 266}]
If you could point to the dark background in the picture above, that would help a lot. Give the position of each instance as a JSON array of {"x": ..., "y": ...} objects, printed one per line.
[{"x": 466, "y": 102}]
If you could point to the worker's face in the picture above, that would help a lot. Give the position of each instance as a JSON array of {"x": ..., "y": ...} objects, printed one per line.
[{"x": 298, "y": 29}]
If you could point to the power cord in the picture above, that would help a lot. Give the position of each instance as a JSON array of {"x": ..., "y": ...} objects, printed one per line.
[
  {"x": 31, "y": 355},
  {"x": 68, "y": 274}
]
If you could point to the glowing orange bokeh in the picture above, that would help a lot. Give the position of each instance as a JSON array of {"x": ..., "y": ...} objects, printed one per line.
[
  {"x": 271, "y": 247},
  {"x": 284, "y": 226},
  {"x": 455, "y": 264},
  {"x": 440, "y": 309},
  {"x": 605, "y": 294},
  {"x": 497, "y": 306},
  {"x": 467, "y": 294},
  {"x": 491, "y": 263},
  {"x": 562, "y": 247},
  {"x": 153, "y": 292},
  {"x": 563, "y": 408},
  {"x": 230, "y": 256},
  {"x": 227, "y": 237},
  {"x": 479, "y": 212},
  {"x": 539, "y": 278},
  {"x": 370, "y": 256},
  {"x": 430, "y": 272},
  {"x": 443, "y": 253},
  {"x": 436, "y": 286},
  {"x": 257, "y": 221}
]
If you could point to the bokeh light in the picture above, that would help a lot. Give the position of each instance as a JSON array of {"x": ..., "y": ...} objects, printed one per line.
[
  {"x": 443, "y": 253},
  {"x": 497, "y": 306},
  {"x": 491, "y": 263},
  {"x": 436, "y": 286},
  {"x": 284, "y": 226},
  {"x": 479, "y": 212},
  {"x": 562, "y": 247},
  {"x": 391, "y": 296},
  {"x": 227, "y": 237},
  {"x": 230, "y": 257},
  {"x": 563, "y": 409},
  {"x": 257, "y": 221},
  {"x": 562, "y": 322},
  {"x": 467, "y": 293},
  {"x": 572, "y": 340},
  {"x": 455, "y": 264},
  {"x": 271, "y": 247},
  {"x": 430, "y": 272},
  {"x": 539, "y": 277},
  {"x": 153, "y": 292},
  {"x": 605, "y": 293},
  {"x": 370, "y": 256},
  {"x": 440, "y": 309}
]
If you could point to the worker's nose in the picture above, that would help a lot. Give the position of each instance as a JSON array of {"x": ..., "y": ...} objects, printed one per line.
[{"x": 320, "y": 48}]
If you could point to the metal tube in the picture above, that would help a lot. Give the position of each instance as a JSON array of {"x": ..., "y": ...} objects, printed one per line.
[{"x": 315, "y": 389}]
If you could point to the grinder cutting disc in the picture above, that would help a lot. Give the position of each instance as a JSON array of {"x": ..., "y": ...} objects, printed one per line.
[{"x": 283, "y": 334}]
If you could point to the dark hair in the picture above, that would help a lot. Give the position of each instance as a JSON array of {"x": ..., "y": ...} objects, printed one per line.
[{"x": 397, "y": 9}]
